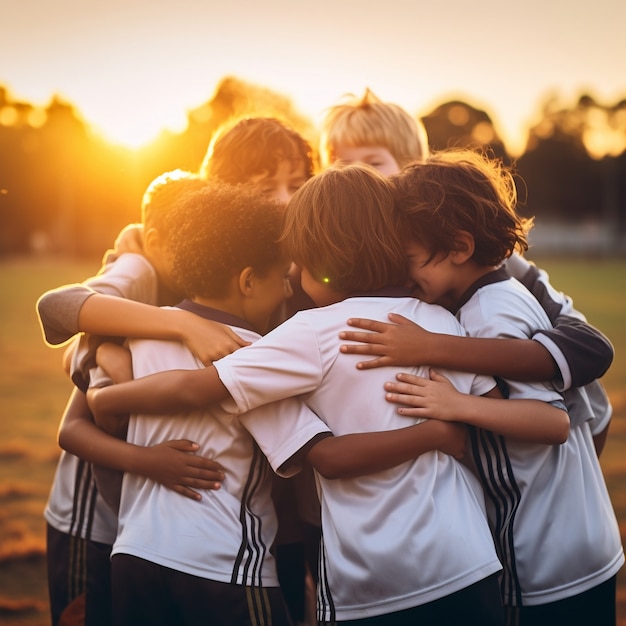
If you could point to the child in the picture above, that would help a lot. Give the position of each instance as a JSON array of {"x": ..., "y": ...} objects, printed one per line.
[
  {"x": 219, "y": 569},
  {"x": 376, "y": 528},
  {"x": 80, "y": 527},
  {"x": 558, "y": 567},
  {"x": 262, "y": 152},
  {"x": 367, "y": 130},
  {"x": 385, "y": 136}
]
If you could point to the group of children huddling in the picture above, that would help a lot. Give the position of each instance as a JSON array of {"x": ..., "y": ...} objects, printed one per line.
[{"x": 445, "y": 395}]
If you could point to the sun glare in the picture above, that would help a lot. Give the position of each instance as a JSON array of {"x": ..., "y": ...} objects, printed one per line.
[
  {"x": 135, "y": 120},
  {"x": 135, "y": 131}
]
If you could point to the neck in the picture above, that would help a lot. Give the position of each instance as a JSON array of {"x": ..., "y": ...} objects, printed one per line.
[{"x": 228, "y": 305}]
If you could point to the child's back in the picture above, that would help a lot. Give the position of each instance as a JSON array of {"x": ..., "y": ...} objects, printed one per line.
[
  {"x": 227, "y": 242},
  {"x": 376, "y": 527}
]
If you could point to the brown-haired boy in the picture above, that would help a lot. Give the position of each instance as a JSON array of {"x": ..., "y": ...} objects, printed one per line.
[{"x": 462, "y": 225}]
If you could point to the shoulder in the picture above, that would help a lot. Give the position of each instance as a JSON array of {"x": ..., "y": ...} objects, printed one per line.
[
  {"x": 130, "y": 276},
  {"x": 506, "y": 308}
]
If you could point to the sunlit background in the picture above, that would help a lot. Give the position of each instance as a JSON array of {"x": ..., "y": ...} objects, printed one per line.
[
  {"x": 133, "y": 68},
  {"x": 98, "y": 98}
]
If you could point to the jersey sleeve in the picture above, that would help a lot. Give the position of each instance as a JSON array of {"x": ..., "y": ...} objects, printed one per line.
[
  {"x": 282, "y": 429},
  {"x": 581, "y": 352},
  {"x": 509, "y": 312},
  {"x": 131, "y": 276},
  {"x": 284, "y": 363},
  {"x": 58, "y": 311}
]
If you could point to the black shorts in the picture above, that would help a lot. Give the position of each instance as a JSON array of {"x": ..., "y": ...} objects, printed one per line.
[
  {"x": 150, "y": 594},
  {"x": 595, "y": 606},
  {"x": 79, "y": 579},
  {"x": 479, "y": 603}
]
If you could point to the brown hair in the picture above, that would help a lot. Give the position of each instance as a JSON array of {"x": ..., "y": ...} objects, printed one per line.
[
  {"x": 244, "y": 148},
  {"x": 343, "y": 227},
  {"x": 223, "y": 229},
  {"x": 368, "y": 121},
  {"x": 462, "y": 190}
]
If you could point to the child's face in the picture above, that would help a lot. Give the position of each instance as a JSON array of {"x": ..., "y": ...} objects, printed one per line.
[
  {"x": 376, "y": 156},
  {"x": 287, "y": 179},
  {"x": 273, "y": 289},
  {"x": 434, "y": 281}
]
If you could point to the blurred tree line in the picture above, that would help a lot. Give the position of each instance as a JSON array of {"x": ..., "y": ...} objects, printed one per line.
[{"x": 65, "y": 190}]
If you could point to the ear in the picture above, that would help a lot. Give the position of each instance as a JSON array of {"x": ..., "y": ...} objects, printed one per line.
[
  {"x": 151, "y": 241},
  {"x": 246, "y": 281},
  {"x": 464, "y": 247}
]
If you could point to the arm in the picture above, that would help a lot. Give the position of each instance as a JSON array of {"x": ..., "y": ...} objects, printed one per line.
[
  {"x": 163, "y": 393},
  {"x": 404, "y": 343},
  {"x": 118, "y": 317},
  {"x": 130, "y": 276},
  {"x": 116, "y": 361},
  {"x": 527, "y": 420},
  {"x": 173, "y": 464},
  {"x": 582, "y": 352},
  {"x": 359, "y": 454}
]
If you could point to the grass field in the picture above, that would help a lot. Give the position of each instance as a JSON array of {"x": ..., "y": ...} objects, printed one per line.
[{"x": 33, "y": 392}]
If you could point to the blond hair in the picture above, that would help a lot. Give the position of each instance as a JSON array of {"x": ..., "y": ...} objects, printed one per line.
[
  {"x": 343, "y": 227},
  {"x": 368, "y": 121}
]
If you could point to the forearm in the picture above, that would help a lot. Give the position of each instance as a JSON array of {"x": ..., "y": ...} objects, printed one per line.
[
  {"x": 533, "y": 421},
  {"x": 163, "y": 393},
  {"x": 79, "y": 436},
  {"x": 118, "y": 317},
  {"x": 359, "y": 454},
  {"x": 517, "y": 359}
]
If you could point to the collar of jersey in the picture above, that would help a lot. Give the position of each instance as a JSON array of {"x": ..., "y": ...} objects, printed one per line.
[
  {"x": 215, "y": 315},
  {"x": 497, "y": 276}
]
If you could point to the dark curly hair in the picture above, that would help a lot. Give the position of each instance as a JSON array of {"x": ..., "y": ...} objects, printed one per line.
[
  {"x": 219, "y": 230},
  {"x": 461, "y": 190}
]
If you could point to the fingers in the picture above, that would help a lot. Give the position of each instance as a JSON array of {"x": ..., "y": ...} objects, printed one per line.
[
  {"x": 363, "y": 348},
  {"x": 353, "y": 335},
  {"x": 374, "y": 363},
  {"x": 435, "y": 375},
  {"x": 407, "y": 412},
  {"x": 367, "y": 324},
  {"x": 405, "y": 398},
  {"x": 411, "y": 379},
  {"x": 203, "y": 481},
  {"x": 396, "y": 318},
  {"x": 184, "y": 445},
  {"x": 238, "y": 342},
  {"x": 188, "y": 493}
]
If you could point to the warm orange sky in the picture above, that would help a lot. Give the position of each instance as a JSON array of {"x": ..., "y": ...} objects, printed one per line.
[{"x": 132, "y": 68}]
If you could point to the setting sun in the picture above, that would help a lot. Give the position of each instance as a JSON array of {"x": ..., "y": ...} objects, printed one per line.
[{"x": 132, "y": 123}]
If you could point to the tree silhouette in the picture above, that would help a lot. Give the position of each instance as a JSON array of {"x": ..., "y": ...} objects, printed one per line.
[
  {"x": 64, "y": 189},
  {"x": 456, "y": 124}
]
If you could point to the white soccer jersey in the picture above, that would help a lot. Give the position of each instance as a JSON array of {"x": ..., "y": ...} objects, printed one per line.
[
  {"x": 227, "y": 535},
  {"x": 549, "y": 508},
  {"x": 74, "y": 505},
  {"x": 392, "y": 540}
]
